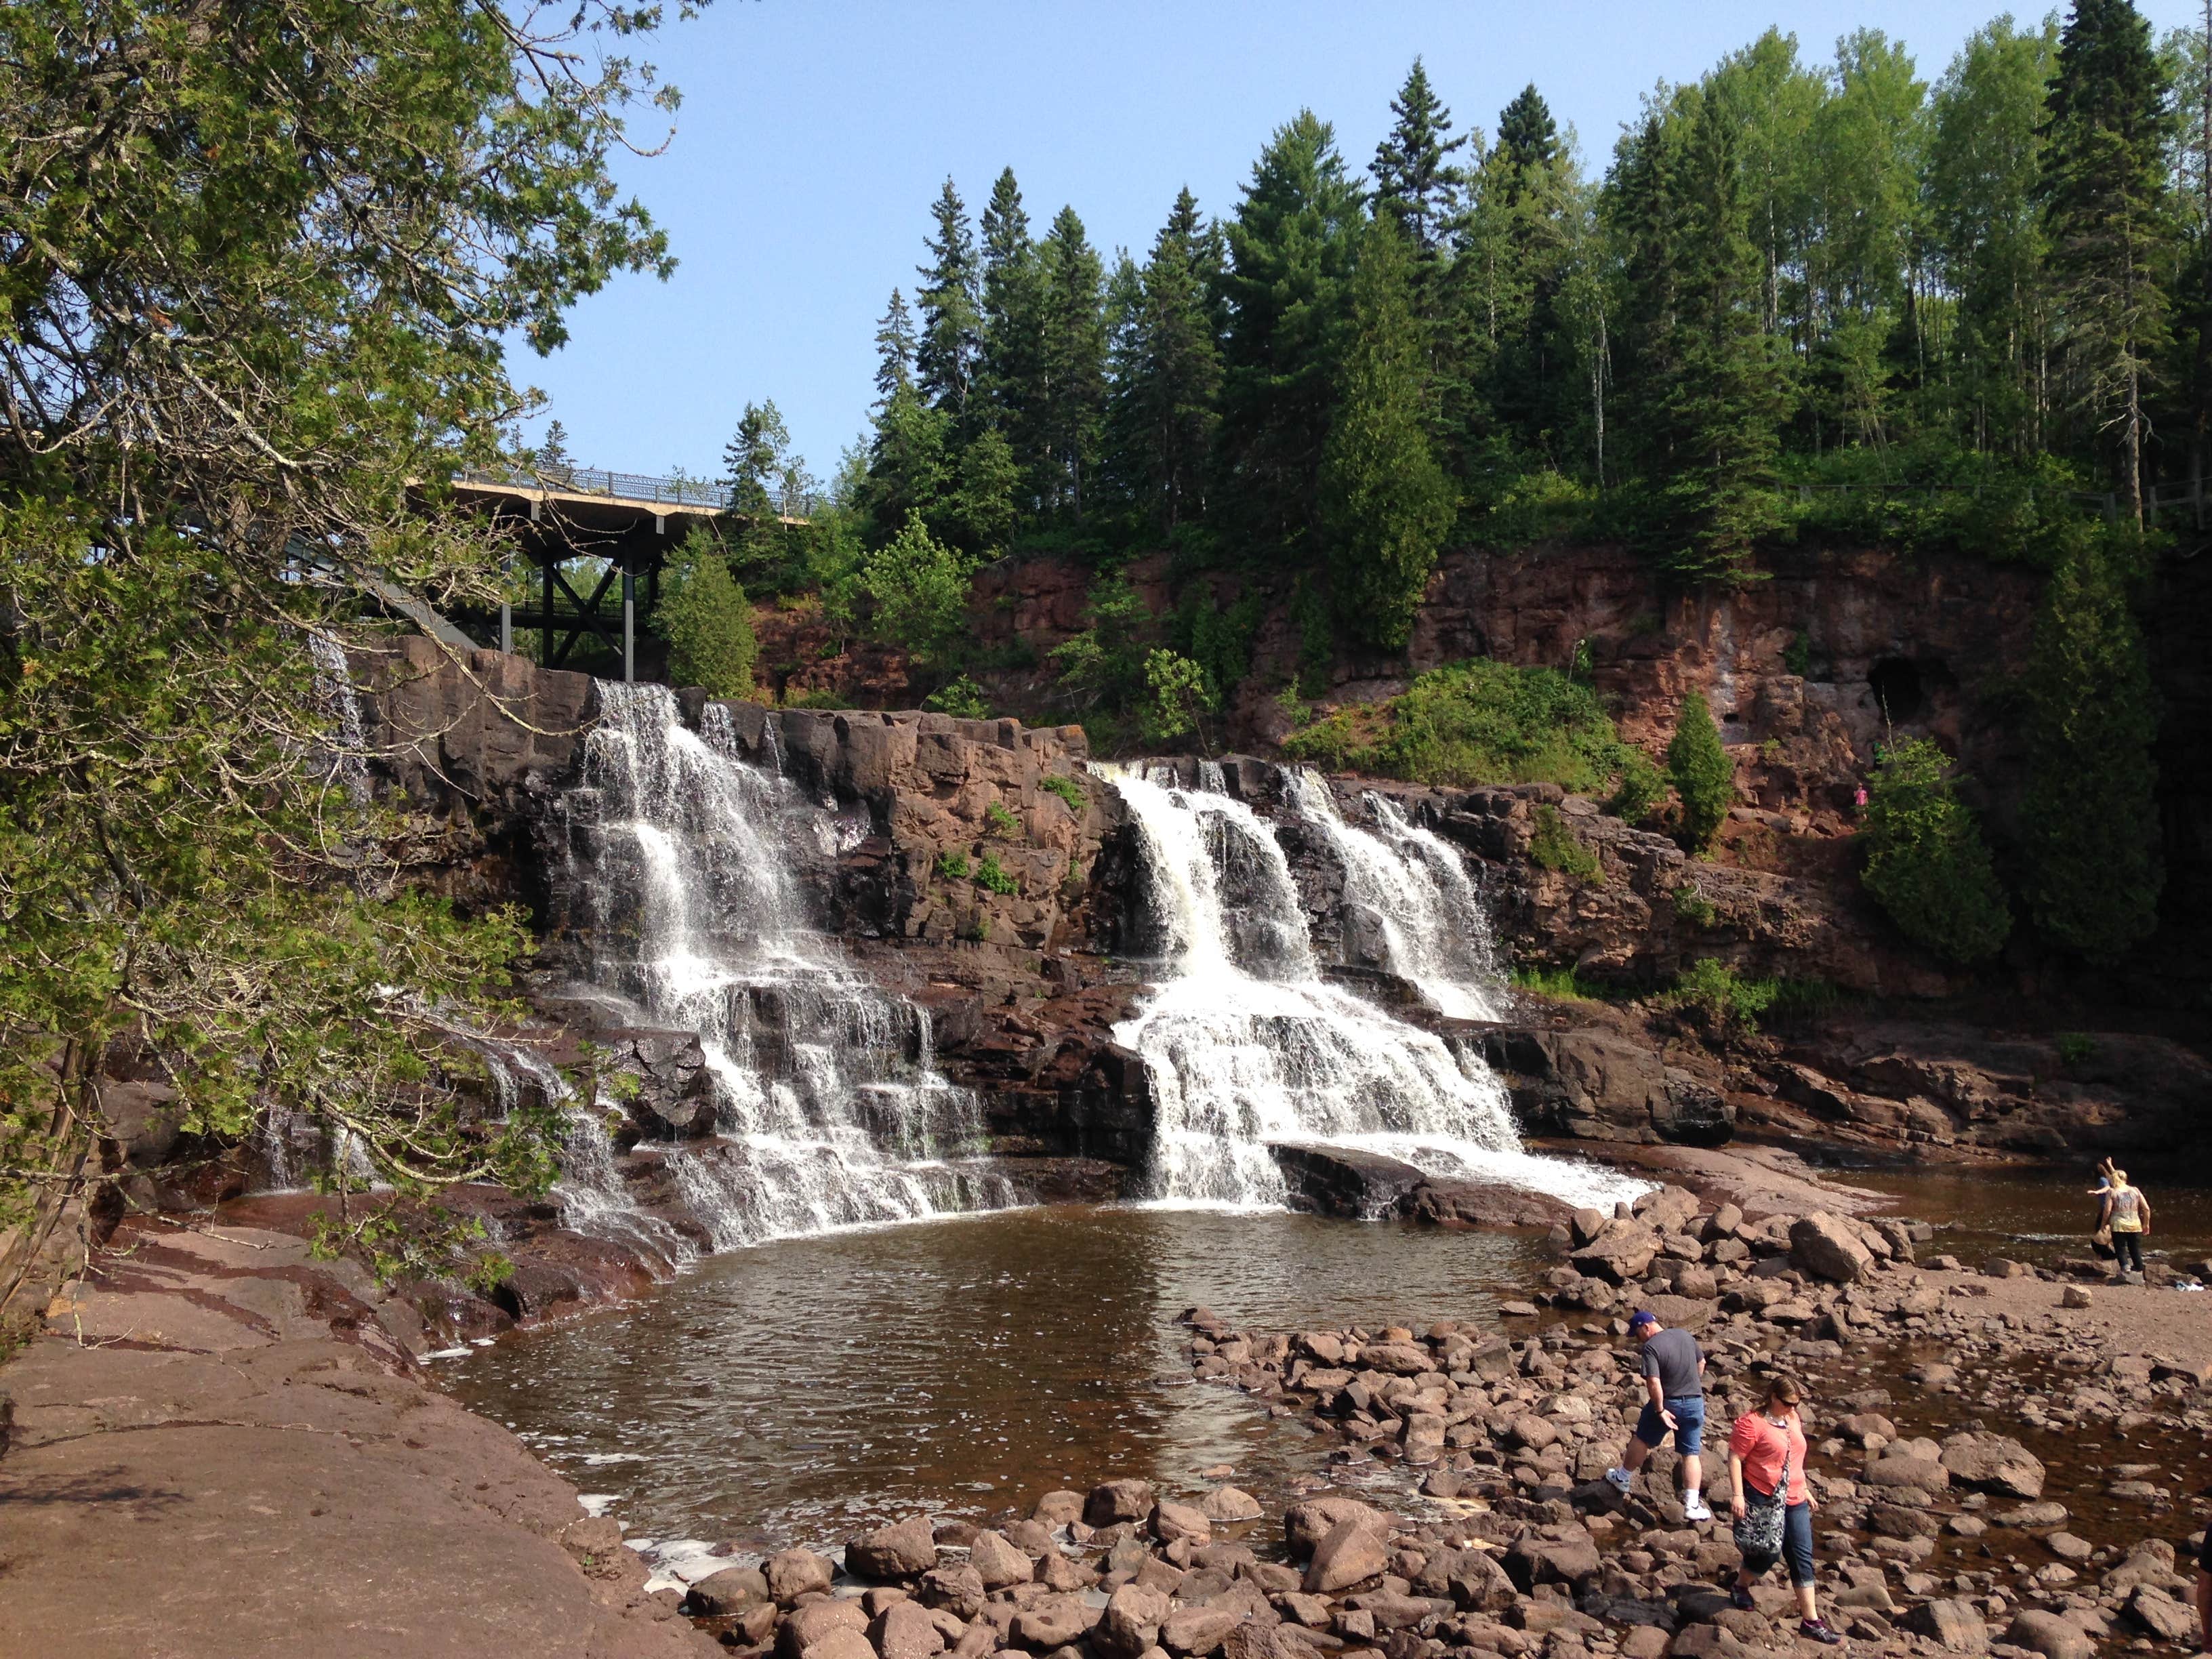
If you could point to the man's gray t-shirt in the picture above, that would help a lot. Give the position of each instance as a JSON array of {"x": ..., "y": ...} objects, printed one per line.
[{"x": 1672, "y": 1357}]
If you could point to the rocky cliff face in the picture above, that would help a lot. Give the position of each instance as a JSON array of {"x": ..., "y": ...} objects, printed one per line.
[{"x": 1023, "y": 986}]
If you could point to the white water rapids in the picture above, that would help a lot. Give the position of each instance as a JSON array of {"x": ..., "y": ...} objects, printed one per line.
[{"x": 1245, "y": 1044}]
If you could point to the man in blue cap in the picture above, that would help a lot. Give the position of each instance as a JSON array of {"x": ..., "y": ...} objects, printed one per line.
[{"x": 1674, "y": 1377}]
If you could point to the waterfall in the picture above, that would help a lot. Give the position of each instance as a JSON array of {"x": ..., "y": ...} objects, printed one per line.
[
  {"x": 1245, "y": 1045},
  {"x": 827, "y": 1110},
  {"x": 1414, "y": 895}
]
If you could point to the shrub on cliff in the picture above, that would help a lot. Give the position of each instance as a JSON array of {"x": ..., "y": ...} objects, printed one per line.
[
  {"x": 2089, "y": 818},
  {"x": 1927, "y": 865},
  {"x": 1699, "y": 769},
  {"x": 1474, "y": 722},
  {"x": 707, "y": 620},
  {"x": 918, "y": 593}
]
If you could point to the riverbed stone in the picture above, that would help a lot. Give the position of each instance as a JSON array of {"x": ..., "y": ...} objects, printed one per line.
[
  {"x": 1305, "y": 1524},
  {"x": 720, "y": 1595},
  {"x": 2048, "y": 1634},
  {"x": 998, "y": 1562},
  {"x": 791, "y": 1574},
  {"x": 809, "y": 1627},
  {"x": 1951, "y": 1623},
  {"x": 956, "y": 1587},
  {"x": 1194, "y": 1631},
  {"x": 905, "y": 1631},
  {"x": 1057, "y": 1509},
  {"x": 1230, "y": 1504},
  {"x": 1532, "y": 1560},
  {"x": 1994, "y": 1463},
  {"x": 1117, "y": 1500},
  {"x": 1353, "y": 1551},
  {"x": 2155, "y": 1611},
  {"x": 1130, "y": 1622},
  {"x": 1053, "y": 1621},
  {"x": 905, "y": 1551},
  {"x": 1170, "y": 1522},
  {"x": 1829, "y": 1246}
]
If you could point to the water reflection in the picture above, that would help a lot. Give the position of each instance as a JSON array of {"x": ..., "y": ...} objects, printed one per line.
[{"x": 791, "y": 1392}]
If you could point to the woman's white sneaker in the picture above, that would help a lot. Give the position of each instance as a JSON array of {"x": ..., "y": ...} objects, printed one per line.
[{"x": 1694, "y": 1508}]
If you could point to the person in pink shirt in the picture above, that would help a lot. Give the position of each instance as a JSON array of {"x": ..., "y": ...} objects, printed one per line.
[{"x": 1766, "y": 1471}]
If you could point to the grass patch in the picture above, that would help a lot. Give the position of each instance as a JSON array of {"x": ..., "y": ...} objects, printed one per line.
[
  {"x": 1556, "y": 847},
  {"x": 1473, "y": 722},
  {"x": 1728, "y": 1004},
  {"x": 998, "y": 821},
  {"x": 1694, "y": 908},
  {"x": 952, "y": 866},
  {"x": 1556, "y": 985},
  {"x": 1068, "y": 789},
  {"x": 992, "y": 879}
]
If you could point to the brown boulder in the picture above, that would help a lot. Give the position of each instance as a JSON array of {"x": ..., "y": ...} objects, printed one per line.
[
  {"x": 905, "y": 1551},
  {"x": 1117, "y": 1500},
  {"x": 1994, "y": 1462},
  {"x": 793, "y": 1573},
  {"x": 1353, "y": 1552},
  {"x": 1131, "y": 1622},
  {"x": 998, "y": 1562},
  {"x": 1826, "y": 1245}
]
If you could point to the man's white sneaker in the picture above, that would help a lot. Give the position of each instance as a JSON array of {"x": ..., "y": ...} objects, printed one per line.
[
  {"x": 1621, "y": 1478},
  {"x": 1693, "y": 1506}
]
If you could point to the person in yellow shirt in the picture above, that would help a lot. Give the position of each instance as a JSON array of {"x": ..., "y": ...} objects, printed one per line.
[{"x": 2126, "y": 1211}]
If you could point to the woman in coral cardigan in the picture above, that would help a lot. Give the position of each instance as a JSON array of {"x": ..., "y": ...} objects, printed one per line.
[{"x": 1767, "y": 1470}]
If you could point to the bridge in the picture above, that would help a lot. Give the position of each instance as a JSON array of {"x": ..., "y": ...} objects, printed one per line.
[{"x": 620, "y": 526}]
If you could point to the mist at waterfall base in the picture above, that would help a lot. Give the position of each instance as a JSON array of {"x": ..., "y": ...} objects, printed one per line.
[
  {"x": 1246, "y": 1046},
  {"x": 829, "y": 1111}
]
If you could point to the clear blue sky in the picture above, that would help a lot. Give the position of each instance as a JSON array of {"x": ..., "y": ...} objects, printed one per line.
[{"x": 814, "y": 135}]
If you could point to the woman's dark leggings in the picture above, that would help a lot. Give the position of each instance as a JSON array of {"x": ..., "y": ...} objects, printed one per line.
[
  {"x": 2129, "y": 1248},
  {"x": 1796, "y": 1548}
]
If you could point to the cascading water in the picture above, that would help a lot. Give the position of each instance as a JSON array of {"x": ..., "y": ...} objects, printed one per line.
[
  {"x": 1245, "y": 1046},
  {"x": 1412, "y": 891},
  {"x": 829, "y": 1111}
]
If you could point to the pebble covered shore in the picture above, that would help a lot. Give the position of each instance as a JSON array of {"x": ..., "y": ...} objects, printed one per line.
[{"x": 1459, "y": 1508}]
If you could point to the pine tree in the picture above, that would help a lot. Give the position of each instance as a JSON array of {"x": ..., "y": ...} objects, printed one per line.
[
  {"x": 1698, "y": 767},
  {"x": 2089, "y": 815},
  {"x": 753, "y": 461},
  {"x": 707, "y": 620},
  {"x": 1167, "y": 370},
  {"x": 1073, "y": 352},
  {"x": 1010, "y": 374},
  {"x": 1414, "y": 179},
  {"x": 2106, "y": 213},
  {"x": 894, "y": 349},
  {"x": 1290, "y": 248},
  {"x": 1719, "y": 405},
  {"x": 1385, "y": 503},
  {"x": 1527, "y": 139},
  {"x": 944, "y": 357},
  {"x": 1528, "y": 191},
  {"x": 1927, "y": 865}
]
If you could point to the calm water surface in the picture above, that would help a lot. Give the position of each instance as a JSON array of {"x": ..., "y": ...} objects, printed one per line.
[
  {"x": 2039, "y": 1215},
  {"x": 792, "y": 1392}
]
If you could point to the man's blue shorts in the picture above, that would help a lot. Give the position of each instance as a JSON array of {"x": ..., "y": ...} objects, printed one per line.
[{"x": 1689, "y": 1425}]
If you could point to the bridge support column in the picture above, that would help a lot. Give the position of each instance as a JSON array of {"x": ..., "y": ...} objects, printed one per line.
[{"x": 630, "y": 624}]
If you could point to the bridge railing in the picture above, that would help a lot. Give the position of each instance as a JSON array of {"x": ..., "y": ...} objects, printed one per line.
[{"x": 700, "y": 493}]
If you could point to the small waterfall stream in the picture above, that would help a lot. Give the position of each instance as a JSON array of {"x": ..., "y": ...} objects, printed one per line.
[
  {"x": 829, "y": 1110},
  {"x": 1412, "y": 891},
  {"x": 1244, "y": 1044}
]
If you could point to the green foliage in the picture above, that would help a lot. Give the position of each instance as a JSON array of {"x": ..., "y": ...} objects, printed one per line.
[
  {"x": 992, "y": 879},
  {"x": 2073, "y": 1047},
  {"x": 1219, "y": 640},
  {"x": 707, "y": 620},
  {"x": 263, "y": 265},
  {"x": 1555, "y": 846},
  {"x": 1699, "y": 769},
  {"x": 962, "y": 698},
  {"x": 1102, "y": 666},
  {"x": 1556, "y": 985},
  {"x": 998, "y": 821},
  {"x": 1797, "y": 655},
  {"x": 1176, "y": 697},
  {"x": 1927, "y": 865},
  {"x": 1385, "y": 503},
  {"x": 918, "y": 590},
  {"x": 1693, "y": 907},
  {"x": 1480, "y": 721},
  {"x": 952, "y": 866},
  {"x": 1641, "y": 786},
  {"x": 2089, "y": 812},
  {"x": 1068, "y": 789},
  {"x": 1731, "y": 1006}
]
